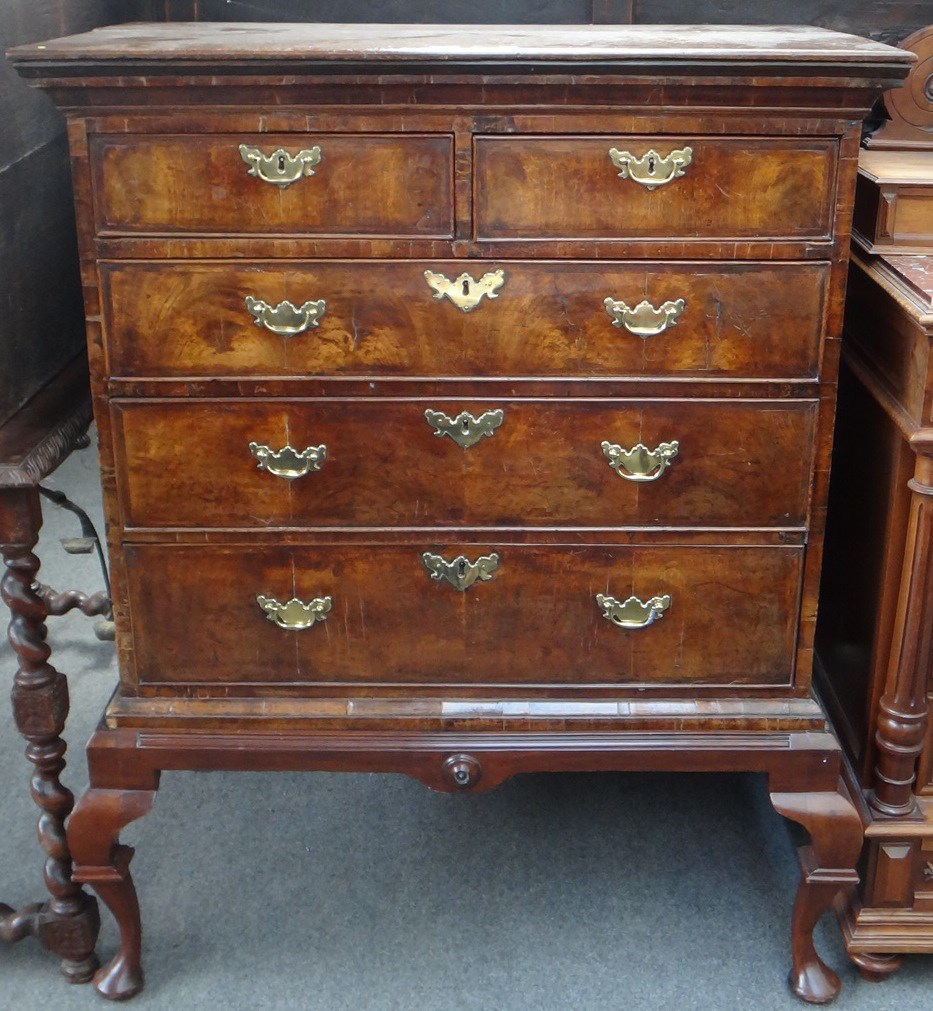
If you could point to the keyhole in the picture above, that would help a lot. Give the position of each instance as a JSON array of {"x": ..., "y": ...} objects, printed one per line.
[
  {"x": 466, "y": 287},
  {"x": 465, "y": 426},
  {"x": 281, "y": 163},
  {"x": 651, "y": 164},
  {"x": 461, "y": 568}
]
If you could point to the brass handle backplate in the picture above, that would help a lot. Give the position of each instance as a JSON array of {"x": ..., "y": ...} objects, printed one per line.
[
  {"x": 465, "y": 429},
  {"x": 461, "y": 573},
  {"x": 640, "y": 463},
  {"x": 280, "y": 168},
  {"x": 644, "y": 320},
  {"x": 463, "y": 291},
  {"x": 295, "y": 615},
  {"x": 633, "y": 613},
  {"x": 285, "y": 319},
  {"x": 286, "y": 462},
  {"x": 651, "y": 169}
]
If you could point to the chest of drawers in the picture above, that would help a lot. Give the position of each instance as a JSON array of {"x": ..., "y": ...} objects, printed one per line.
[{"x": 465, "y": 401}]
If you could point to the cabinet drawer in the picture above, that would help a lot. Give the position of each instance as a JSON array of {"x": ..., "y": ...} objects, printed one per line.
[
  {"x": 383, "y": 318},
  {"x": 364, "y": 184},
  {"x": 539, "y": 463},
  {"x": 568, "y": 187},
  {"x": 730, "y": 619}
]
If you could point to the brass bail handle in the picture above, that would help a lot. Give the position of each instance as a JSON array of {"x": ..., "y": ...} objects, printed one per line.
[
  {"x": 633, "y": 612},
  {"x": 295, "y": 615},
  {"x": 287, "y": 462},
  {"x": 640, "y": 463},
  {"x": 286, "y": 319},
  {"x": 644, "y": 319}
]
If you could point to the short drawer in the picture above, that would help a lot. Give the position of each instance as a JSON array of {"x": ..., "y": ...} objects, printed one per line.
[
  {"x": 384, "y": 318},
  {"x": 393, "y": 462},
  {"x": 731, "y": 187},
  {"x": 362, "y": 184},
  {"x": 375, "y": 614}
]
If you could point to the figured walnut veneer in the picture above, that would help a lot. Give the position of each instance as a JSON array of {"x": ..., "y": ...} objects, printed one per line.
[{"x": 465, "y": 152}]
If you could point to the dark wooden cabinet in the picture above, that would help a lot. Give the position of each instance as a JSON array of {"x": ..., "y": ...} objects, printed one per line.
[
  {"x": 875, "y": 668},
  {"x": 465, "y": 402}
]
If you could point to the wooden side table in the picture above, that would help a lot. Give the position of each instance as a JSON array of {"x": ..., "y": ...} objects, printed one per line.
[{"x": 32, "y": 444}]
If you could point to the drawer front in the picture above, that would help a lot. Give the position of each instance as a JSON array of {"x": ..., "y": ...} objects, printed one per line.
[
  {"x": 730, "y": 617},
  {"x": 568, "y": 187},
  {"x": 525, "y": 462},
  {"x": 362, "y": 185},
  {"x": 383, "y": 318}
]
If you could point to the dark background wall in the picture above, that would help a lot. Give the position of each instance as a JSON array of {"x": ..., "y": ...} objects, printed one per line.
[
  {"x": 40, "y": 300},
  {"x": 881, "y": 19}
]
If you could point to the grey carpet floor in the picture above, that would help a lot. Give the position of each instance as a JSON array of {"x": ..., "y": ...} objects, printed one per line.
[{"x": 370, "y": 893}]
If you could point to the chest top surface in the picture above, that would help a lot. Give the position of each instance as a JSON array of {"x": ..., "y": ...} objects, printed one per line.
[{"x": 396, "y": 46}]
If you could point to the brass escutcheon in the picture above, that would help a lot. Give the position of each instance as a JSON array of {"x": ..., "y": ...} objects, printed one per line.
[
  {"x": 645, "y": 320},
  {"x": 295, "y": 615},
  {"x": 463, "y": 291},
  {"x": 640, "y": 463},
  {"x": 285, "y": 319},
  {"x": 651, "y": 169},
  {"x": 280, "y": 168},
  {"x": 461, "y": 573},
  {"x": 287, "y": 462},
  {"x": 633, "y": 613},
  {"x": 466, "y": 430}
]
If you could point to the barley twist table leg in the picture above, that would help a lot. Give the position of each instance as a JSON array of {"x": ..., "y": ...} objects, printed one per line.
[{"x": 68, "y": 923}]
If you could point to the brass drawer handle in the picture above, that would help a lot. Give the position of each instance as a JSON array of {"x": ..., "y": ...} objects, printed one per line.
[
  {"x": 644, "y": 320},
  {"x": 286, "y": 462},
  {"x": 295, "y": 615},
  {"x": 465, "y": 429},
  {"x": 651, "y": 169},
  {"x": 286, "y": 319},
  {"x": 633, "y": 613},
  {"x": 280, "y": 168},
  {"x": 640, "y": 463},
  {"x": 461, "y": 573},
  {"x": 463, "y": 291}
]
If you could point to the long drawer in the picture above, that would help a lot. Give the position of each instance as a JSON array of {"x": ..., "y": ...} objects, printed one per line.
[
  {"x": 537, "y": 187},
  {"x": 344, "y": 184},
  {"x": 375, "y": 614},
  {"x": 400, "y": 462},
  {"x": 347, "y": 317}
]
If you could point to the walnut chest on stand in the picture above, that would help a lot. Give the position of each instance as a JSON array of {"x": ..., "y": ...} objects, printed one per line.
[{"x": 465, "y": 400}]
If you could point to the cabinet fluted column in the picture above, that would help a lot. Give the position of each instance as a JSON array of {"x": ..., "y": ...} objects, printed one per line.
[{"x": 902, "y": 716}]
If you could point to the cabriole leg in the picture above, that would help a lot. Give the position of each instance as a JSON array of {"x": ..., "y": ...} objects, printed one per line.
[
  {"x": 102, "y": 862},
  {"x": 828, "y": 866}
]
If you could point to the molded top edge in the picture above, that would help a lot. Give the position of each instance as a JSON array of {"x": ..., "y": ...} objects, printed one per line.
[{"x": 457, "y": 44}]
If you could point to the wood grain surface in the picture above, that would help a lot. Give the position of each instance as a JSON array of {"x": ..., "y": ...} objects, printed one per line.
[
  {"x": 448, "y": 43},
  {"x": 364, "y": 184},
  {"x": 750, "y": 319},
  {"x": 731, "y": 620},
  {"x": 567, "y": 187},
  {"x": 188, "y": 464}
]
